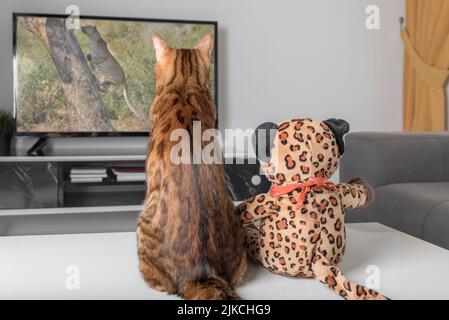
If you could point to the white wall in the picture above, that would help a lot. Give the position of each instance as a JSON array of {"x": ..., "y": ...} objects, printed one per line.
[{"x": 278, "y": 59}]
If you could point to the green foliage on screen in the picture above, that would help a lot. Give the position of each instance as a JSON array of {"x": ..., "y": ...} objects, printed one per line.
[{"x": 41, "y": 105}]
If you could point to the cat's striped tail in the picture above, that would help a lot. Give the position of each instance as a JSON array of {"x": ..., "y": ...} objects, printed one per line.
[{"x": 211, "y": 289}]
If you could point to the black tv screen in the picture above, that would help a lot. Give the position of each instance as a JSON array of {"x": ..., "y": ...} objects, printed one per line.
[{"x": 93, "y": 76}]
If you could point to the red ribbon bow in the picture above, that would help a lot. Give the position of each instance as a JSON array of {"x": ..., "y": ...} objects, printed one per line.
[{"x": 306, "y": 187}]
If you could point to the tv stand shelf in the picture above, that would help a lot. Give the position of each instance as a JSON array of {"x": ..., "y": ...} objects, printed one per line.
[
  {"x": 36, "y": 196},
  {"x": 69, "y": 158},
  {"x": 42, "y": 184},
  {"x": 33, "y": 182},
  {"x": 71, "y": 210}
]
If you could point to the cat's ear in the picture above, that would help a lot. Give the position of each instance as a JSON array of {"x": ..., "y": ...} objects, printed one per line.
[
  {"x": 206, "y": 44},
  {"x": 339, "y": 127},
  {"x": 263, "y": 139},
  {"x": 159, "y": 46}
]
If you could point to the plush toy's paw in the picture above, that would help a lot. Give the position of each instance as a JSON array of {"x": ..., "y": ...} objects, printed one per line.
[
  {"x": 357, "y": 180},
  {"x": 241, "y": 209},
  {"x": 369, "y": 189}
]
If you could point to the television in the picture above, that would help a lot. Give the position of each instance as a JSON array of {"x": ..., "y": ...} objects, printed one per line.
[{"x": 93, "y": 76}]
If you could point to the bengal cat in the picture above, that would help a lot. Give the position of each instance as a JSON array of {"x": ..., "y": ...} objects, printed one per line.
[{"x": 190, "y": 241}]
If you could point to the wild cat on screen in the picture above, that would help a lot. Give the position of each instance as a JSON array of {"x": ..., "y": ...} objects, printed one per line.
[
  {"x": 189, "y": 238},
  {"x": 101, "y": 59}
]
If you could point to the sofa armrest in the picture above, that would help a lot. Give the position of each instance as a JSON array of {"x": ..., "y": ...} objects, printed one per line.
[{"x": 386, "y": 158}]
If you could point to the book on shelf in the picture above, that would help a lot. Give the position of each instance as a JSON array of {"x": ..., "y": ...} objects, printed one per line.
[
  {"x": 129, "y": 174},
  {"x": 130, "y": 179},
  {"x": 123, "y": 170},
  {"x": 88, "y": 175},
  {"x": 87, "y": 170},
  {"x": 86, "y": 179}
]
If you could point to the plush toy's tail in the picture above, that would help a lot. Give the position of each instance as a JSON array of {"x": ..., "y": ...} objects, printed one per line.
[
  {"x": 331, "y": 276},
  {"x": 212, "y": 289}
]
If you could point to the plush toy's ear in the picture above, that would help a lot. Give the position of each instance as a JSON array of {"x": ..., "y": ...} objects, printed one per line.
[
  {"x": 339, "y": 127},
  {"x": 263, "y": 139}
]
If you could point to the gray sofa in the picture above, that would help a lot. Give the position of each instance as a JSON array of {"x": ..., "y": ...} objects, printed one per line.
[{"x": 410, "y": 175}]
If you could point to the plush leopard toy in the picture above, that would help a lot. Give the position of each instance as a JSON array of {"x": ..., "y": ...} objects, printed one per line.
[{"x": 301, "y": 230}]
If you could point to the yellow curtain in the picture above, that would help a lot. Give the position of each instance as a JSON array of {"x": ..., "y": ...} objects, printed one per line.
[{"x": 426, "y": 64}]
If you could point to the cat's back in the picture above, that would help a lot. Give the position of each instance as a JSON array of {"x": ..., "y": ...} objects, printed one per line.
[{"x": 188, "y": 215}]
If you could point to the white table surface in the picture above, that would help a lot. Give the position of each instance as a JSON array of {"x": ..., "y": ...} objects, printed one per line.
[{"x": 34, "y": 267}]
